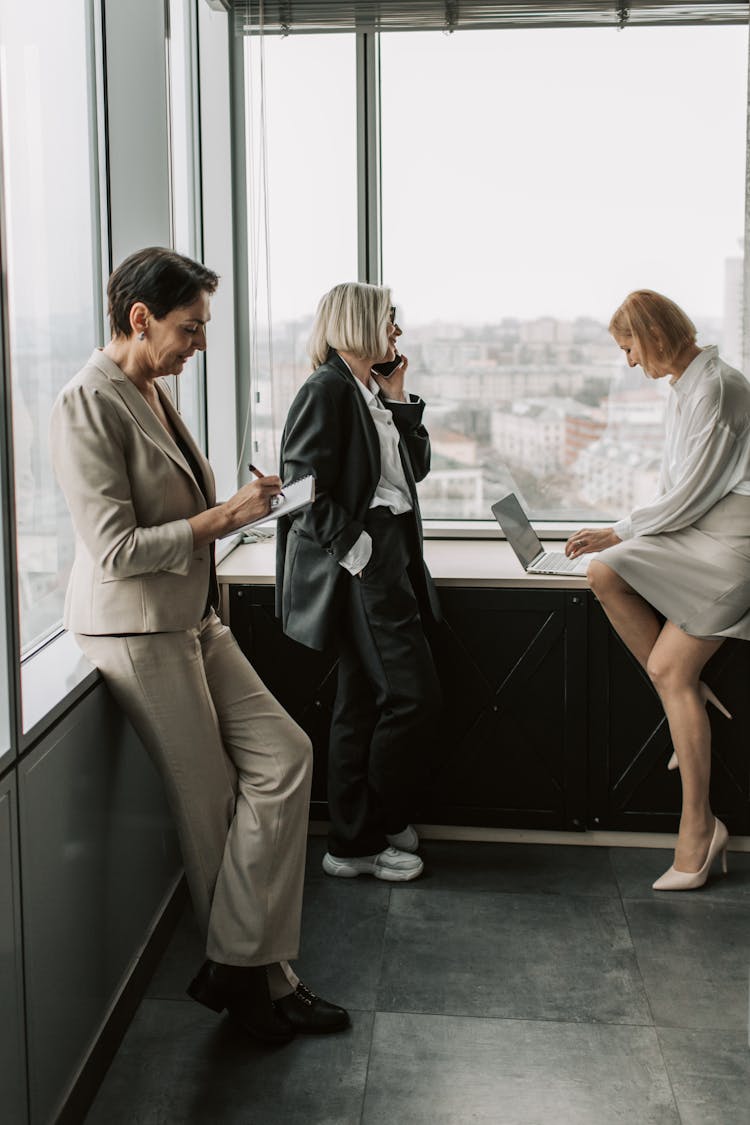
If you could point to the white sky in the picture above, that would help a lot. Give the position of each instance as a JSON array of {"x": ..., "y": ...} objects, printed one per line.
[{"x": 525, "y": 173}]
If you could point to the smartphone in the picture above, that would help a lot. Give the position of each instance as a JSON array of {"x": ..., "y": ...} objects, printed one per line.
[{"x": 387, "y": 369}]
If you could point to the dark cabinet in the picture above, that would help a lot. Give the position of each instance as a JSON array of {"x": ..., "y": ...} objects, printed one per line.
[{"x": 548, "y": 723}]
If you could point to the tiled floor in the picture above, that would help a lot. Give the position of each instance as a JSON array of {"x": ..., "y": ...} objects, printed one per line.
[{"x": 514, "y": 984}]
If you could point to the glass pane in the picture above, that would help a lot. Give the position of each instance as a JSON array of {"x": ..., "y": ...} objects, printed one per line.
[
  {"x": 553, "y": 173},
  {"x": 190, "y": 386},
  {"x": 308, "y": 235},
  {"x": 52, "y": 273}
]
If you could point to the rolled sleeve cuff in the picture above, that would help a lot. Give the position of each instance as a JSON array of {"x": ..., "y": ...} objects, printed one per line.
[
  {"x": 183, "y": 548},
  {"x": 358, "y": 556},
  {"x": 411, "y": 400},
  {"x": 623, "y": 528}
]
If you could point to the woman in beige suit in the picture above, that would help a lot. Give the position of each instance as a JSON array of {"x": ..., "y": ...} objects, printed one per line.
[{"x": 141, "y": 600}]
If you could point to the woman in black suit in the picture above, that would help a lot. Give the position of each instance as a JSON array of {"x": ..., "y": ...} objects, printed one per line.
[{"x": 350, "y": 572}]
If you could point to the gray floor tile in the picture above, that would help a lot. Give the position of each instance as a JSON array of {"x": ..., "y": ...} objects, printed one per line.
[
  {"x": 637, "y": 868},
  {"x": 517, "y": 868},
  {"x": 436, "y": 1070},
  {"x": 710, "y": 1075},
  {"x": 519, "y": 956},
  {"x": 456, "y": 865},
  {"x": 520, "y": 933},
  {"x": 343, "y": 928},
  {"x": 343, "y": 923},
  {"x": 181, "y": 961},
  {"x": 694, "y": 956},
  {"x": 181, "y": 1065}
]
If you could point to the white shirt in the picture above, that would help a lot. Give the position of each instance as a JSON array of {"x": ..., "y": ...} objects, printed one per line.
[
  {"x": 392, "y": 491},
  {"x": 706, "y": 451}
]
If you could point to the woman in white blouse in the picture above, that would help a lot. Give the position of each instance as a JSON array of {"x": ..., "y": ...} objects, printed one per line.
[{"x": 685, "y": 556}]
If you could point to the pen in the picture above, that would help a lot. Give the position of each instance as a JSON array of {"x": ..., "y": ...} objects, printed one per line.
[{"x": 256, "y": 471}]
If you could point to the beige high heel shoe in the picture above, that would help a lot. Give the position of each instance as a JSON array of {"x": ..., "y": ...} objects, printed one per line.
[
  {"x": 674, "y": 880},
  {"x": 708, "y": 697}
]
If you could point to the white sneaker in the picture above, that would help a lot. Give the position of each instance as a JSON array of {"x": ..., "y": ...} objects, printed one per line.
[
  {"x": 405, "y": 841},
  {"x": 391, "y": 864}
]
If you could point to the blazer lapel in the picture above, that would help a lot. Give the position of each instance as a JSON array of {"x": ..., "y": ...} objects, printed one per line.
[
  {"x": 147, "y": 420},
  {"x": 372, "y": 444},
  {"x": 177, "y": 423}
]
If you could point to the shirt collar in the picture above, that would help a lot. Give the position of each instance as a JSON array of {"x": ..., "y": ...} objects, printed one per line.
[
  {"x": 368, "y": 392},
  {"x": 694, "y": 371}
]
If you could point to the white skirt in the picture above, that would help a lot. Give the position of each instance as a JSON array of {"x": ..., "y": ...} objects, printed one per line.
[{"x": 698, "y": 577}]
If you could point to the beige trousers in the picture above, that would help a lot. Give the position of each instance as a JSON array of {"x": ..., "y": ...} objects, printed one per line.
[{"x": 237, "y": 771}]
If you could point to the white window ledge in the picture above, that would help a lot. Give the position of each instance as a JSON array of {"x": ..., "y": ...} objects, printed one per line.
[
  {"x": 488, "y": 529},
  {"x": 52, "y": 679}
]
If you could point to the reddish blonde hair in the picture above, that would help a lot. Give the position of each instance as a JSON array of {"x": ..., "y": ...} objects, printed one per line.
[{"x": 659, "y": 326}]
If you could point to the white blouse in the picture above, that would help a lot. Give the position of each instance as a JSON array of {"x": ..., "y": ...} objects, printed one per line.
[
  {"x": 392, "y": 490},
  {"x": 706, "y": 451}
]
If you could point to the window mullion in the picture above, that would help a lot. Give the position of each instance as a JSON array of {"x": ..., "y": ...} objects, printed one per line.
[
  {"x": 746, "y": 262},
  {"x": 370, "y": 260}
]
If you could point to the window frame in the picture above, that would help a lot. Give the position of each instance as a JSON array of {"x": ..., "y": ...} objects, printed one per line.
[
  {"x": 194, "y": 207},
  {"x": 44, "y": 681},
  {"x": 370, "y": 251},
  {"x": 10, "y": 669}
]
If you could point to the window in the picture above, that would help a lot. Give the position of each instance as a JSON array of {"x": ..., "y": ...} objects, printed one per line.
[
  {"x": 531, "y": 179},
  {"x": 53, "y": 270},
  {"x": 302, "y": 206},
  {"x": 185, "y": 187}
]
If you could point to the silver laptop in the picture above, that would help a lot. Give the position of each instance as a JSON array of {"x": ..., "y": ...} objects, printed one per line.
[{"x": 525, "y": 542}]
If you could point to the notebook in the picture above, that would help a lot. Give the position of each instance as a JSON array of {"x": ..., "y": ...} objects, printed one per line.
[
  {"x": 526, "y": 544},
  {"x": 295, "y": 495}
]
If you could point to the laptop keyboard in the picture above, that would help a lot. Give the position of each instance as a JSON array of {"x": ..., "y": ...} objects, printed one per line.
[{"x": 555, "y": 562}]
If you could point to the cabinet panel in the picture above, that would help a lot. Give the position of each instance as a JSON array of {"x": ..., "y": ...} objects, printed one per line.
[
  {"x": 304, "y": 681},
  {"x": 512, "y": 665},
  {"x": 12, "y": 1049},
  {"x": 98, "y": 856},
  {"x": 549, "y": 722}
]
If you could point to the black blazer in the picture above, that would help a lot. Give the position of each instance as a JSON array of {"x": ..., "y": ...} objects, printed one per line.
[{"x": 329, "y": 432}]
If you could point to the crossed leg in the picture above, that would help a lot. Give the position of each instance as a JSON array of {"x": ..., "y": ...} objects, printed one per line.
[{"x": 673, "y": 661}]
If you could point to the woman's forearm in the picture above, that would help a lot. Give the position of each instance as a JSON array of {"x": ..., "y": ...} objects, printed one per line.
[
  {"x": 211, "y": 525},
  {"x": 251, "y": 503}
]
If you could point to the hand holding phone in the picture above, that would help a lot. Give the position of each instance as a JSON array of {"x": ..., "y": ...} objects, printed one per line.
[{"x": 386, "y": 369}]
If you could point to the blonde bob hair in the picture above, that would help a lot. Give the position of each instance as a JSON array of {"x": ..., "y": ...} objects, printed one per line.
[
  {"x": 659, "y": 326},
  {"x": 352, "y": 317}
]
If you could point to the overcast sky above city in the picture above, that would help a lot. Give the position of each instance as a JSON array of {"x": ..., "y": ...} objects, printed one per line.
[{"x": 525, "y": 173}]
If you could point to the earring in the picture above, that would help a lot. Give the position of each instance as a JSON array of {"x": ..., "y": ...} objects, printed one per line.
[{"x": 141, "y": 335}]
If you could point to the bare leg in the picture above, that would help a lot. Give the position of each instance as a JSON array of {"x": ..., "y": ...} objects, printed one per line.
[
  {"x": 674, "y": 661},
  {"x": 631, "y": 617},
  {"x": 674, "y": 667}
]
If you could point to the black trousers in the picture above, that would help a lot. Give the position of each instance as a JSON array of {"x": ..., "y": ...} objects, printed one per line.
[{"x": 388, "y": 698}]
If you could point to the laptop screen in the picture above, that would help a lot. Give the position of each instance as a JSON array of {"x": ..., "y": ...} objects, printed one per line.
[{"x": 518, "y": 531}]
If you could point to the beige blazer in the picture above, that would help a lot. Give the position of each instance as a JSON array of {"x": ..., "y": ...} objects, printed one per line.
[{"x": 130, "y": 493}]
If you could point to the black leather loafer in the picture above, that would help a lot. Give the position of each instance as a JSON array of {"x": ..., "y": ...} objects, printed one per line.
[
  {"x": 243, "y": 991},
  {"x": 308, "y": 1014}
]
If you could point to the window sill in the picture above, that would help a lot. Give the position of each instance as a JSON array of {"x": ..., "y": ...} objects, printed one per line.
[
  {"x": 451, "y": 562},
  {"x": 57, "y": 674},
  {"x": 488, "y": 529},
  {"x": 52, "y": 679}
]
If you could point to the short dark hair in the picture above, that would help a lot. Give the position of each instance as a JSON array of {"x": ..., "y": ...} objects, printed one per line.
[{"x": 162, "y": 279}]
